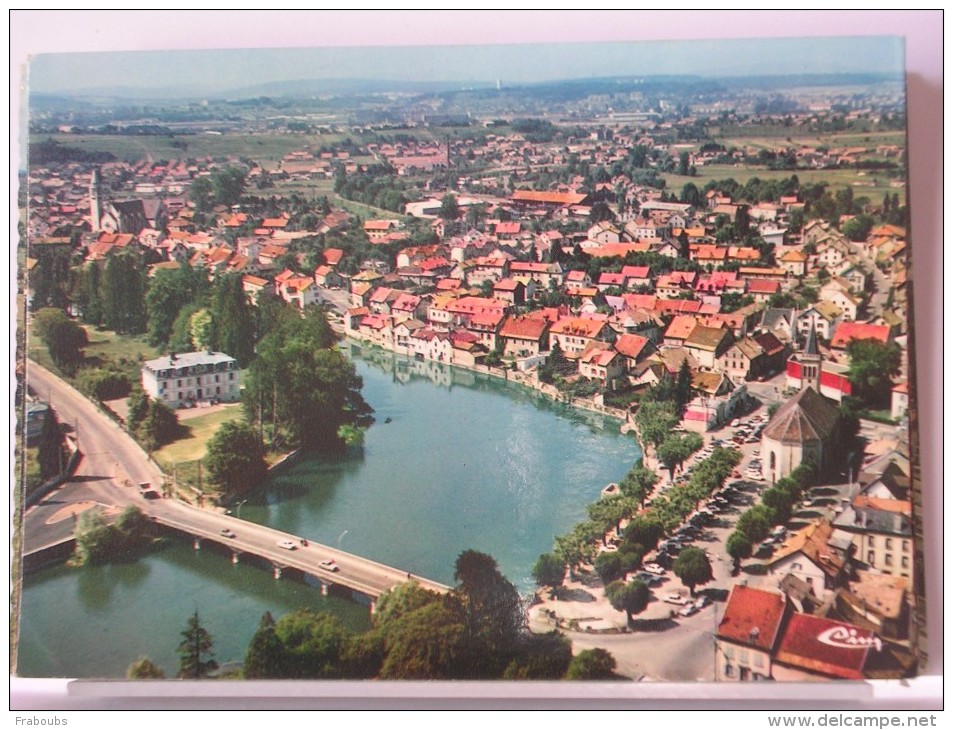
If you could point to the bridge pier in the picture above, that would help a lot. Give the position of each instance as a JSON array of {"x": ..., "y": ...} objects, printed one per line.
[
  {"x": 324, "y": 588},
  {"x": 277, "y": 572},
  {"x": 234, "y": 558},
  {"x": 197, "y": 544}
]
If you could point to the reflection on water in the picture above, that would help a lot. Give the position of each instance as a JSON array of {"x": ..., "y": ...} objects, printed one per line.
[{"x": 473, "y": 463}]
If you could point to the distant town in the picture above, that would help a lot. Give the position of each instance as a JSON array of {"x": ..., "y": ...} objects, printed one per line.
[{"x": 720, "y": 268}]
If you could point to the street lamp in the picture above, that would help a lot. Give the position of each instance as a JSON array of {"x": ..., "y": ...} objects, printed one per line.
[
  {"x": 238, "y": 510},
  {"x": 341, "y": 537}
]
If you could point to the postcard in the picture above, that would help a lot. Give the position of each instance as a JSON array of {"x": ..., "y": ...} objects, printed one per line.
[{"x": 558, "y": 362}]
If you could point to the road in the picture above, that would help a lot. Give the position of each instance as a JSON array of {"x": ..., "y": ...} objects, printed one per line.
[
  {"x": 110, "y": 459},
  {"x": 108, "y": 475}
]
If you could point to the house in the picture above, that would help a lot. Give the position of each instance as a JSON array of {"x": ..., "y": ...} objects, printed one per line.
[
  {"x": 679, "y": 330},
  {"x": 810, "y": 555},
  {"x": 602, "y": 363},
  {"x": 192, "y": 377},
  {"x": 878, "y": 602},
  {"x": 327, "y": 277},
  {"x": 822, "y": 317},
  {"x": 707, "y": 344},
  {"x": 637, "y": 277},
  {"x": 762, "y": 290},
  {"x": 812, "y": 648},
  {"x": 847, "y": 332},
  {"x": 298, "y": 290},
  {"x": 523, "y": 336},
  {"x": 255, "y": 287},
  {"x": 838, "y": 293},
  {"x": 575, "y": 334},
  {"x": 510, "y": 291},
  {"x": 486, "y": 326},
  {"x": 782, "y": 323},
  {"x": 634, "y": 348},
  {"x": 881, "y": 531},
  {"x": 747, "y": 634},
  {"x": 743, "y": 360},
  {"x": 805, "y": 428},
  {"x": 899, "y": 400},
  {"x": 403, "y": 331},
  {"x": 794, "y": 262},
  {"x": 716, "y": 401},
  {"x": 675, "y": 284}
]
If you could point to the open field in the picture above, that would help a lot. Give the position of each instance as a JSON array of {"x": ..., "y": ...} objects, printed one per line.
[
  {"x": 871, "y": 183},
  {"x": 201, "y": 429}
]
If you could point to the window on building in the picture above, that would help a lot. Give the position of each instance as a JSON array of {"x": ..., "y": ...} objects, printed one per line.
[
  {"x": 906, "y": 546},
  {"x": 904, "y": 562},
  {"x": 889, "y": 544},
  {"x": 729, "y": 670},
  {"x": 888, "y": 560},
  {"x": 870, "y": 558},
  {"x": 870, "y": 539}
]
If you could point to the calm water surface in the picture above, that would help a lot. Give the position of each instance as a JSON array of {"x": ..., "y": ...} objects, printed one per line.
[{"x": 455, "y": 461}]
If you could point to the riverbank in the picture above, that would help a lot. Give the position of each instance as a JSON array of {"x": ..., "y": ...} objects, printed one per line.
[{"x": 514, "y": 376}]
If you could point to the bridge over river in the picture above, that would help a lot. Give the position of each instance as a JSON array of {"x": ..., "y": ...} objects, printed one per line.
[{"x": 112, "y": 464}]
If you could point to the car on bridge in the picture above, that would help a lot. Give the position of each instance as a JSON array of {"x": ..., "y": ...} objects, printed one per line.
[
  {"x": 286, "y": 544},
  {"x": 329, "y": 565},
  {"x": 226, "y": 533}
]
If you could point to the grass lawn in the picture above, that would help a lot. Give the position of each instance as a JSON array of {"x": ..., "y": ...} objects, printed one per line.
[{"x": 201, "y": 429}]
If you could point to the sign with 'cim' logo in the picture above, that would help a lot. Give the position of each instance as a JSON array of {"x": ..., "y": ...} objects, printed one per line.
[{"x": 846, "y": 638}]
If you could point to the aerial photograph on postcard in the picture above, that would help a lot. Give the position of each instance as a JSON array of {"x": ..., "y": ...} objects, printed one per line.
[{"x": 552, "y": 362}]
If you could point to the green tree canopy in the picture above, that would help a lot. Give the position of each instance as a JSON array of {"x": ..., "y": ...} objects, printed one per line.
[
  {"x": 64, "y": 339},
  {"x": 195, "y": 651},
  {"x": 873, "y": 364},
  {"x": 144, "y": 668},
  {"x": 693, "y": 568},
  {"x": 632, "y": 597},
  {"x": 265, "y": 656},
  {"x": 597, "y": 664},
  {"x": 549, "y": 571},
  {"x": 738, "y": 547},
  {"x": 236, "y": 458}
]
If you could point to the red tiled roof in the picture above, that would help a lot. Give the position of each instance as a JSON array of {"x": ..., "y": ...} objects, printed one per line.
[
  {"x": 752, "y": 617},
  {"x": 822, "y": 646},
  {"x": 630, "y": 345},
  {"x": 523, "y": 328},
  {"x": 847, "y": 331}
]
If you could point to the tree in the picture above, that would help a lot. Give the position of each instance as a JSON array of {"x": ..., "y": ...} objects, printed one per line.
[
  {"x": 124, "y": 294},
  {"x": 427, "y": 643},
  {"x": 549, "y": 571},
  {"x": 608, "y": 566},
  {"x": 235, "y": 458},
  {"x": 672, "y": 453},
  {"x": 64, "y": 339},
  {"x": 655, "y": 420},
  {"x": 600, "y": 211},
  {"x": 494, "y": 613},
  {"x": 86, "y": 284},
  {"x": 693, "y": 568},
  {"x": 592, "y": 664},
  {"x": 233, "y": 320},
  {"x": 738, "y": 547},
  {"x": 200, "y": 328},
  {"x": 50, "y": 447},
  {"x": 873, "y": 364},
  {"x": 449, "y": 208},
  {"x": 638, "y": 483},
  {"x": 195, "y": 651},
  {"x": 633, "y": 597},
  {"x": 645, "y": 531},
  {"x": 159, "y": 427},
  {"x": 754, "y": 524},
  {"x": 169, "y": 291},
  {"x": 144, "y": 668},
  {"x": 312, "y": 643}
]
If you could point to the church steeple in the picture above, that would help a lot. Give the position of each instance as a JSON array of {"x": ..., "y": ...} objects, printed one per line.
[
  {"x": 810, "y": 359},
  {"x": 95, "y": 211}
]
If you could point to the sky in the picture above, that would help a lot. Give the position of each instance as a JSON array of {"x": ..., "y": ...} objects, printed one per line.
[{"x": 224, "y": 70}]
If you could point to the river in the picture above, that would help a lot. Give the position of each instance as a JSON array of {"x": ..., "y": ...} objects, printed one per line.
[{"x": 455, "y": 461}]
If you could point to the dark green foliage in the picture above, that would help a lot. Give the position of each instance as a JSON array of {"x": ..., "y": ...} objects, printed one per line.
[
  {"x": 644, "y": 530},
  {"x": 312, "y": 644},
  {"x": 638, "y": 483},
  {"x": 755, "y": 523},
  {"x": 87, "y": 292},
  {"x": 265, "y": 656},
  {"x": 655, "y": 420},
  {"x": 738, "y": 547},
  {"x": 296, "y": 383},
  {"x": 608, "y": 567},
  {"x": 49, "y": 278},
  {"x": 64, "y": 339},
  {"x": 98, "y": 542},
  {"x": 104, "y": 384},
  {"x": 549, "y": 571},
  {"x": 632, "y": 597},
  {"x": 693, "y": 568},
  {"x": 195, "y": 651},
  {"x": 50, "y": 447},
  {"x": 159, "y": 427},
  {"x": 124, "y": 294},
  {"x": 233, "y": 319},
  {"x": 872, "y": 366},
  {"x": 596, "y": 664},
  {"x": 144, "y": 668},
  {"x": 169, "y": 291},
  {"x": 541, "y": 657},
  {"x": 236, "y": 458}
]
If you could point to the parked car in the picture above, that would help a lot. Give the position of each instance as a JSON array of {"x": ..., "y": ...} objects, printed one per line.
[
  {"x": 654, "y": 568},
  {"x": 688, "y": 610},
  {"x": 329, "y": 565},
  {"x": 702, "y": 601},
  {"x": 648, "y": 578},
  {"x": 286, "y": 544},
  {"x": 677, "y": 598}
]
